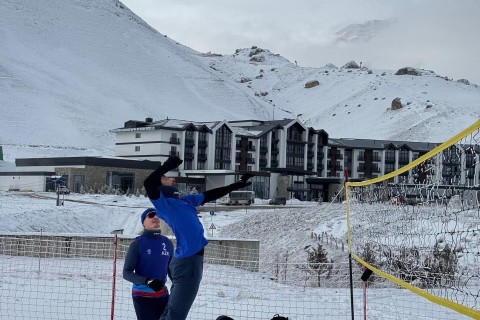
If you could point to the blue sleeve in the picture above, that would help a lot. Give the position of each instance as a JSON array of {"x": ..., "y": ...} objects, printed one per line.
[
  {"x": 194, "y": 199},
  {"x": 131, "y": 262}
]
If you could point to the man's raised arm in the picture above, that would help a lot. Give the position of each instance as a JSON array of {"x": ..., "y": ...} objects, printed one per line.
[{"x": 153, "y": 181}]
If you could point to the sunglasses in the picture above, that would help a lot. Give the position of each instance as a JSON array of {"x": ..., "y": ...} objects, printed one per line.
[{"x": 151, "y": 214}]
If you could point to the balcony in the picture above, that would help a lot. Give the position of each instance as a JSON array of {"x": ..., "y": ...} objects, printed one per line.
[
  {"x": 389, "y": 159},
  {"x": 296, "y": 141},
  {"x": 189, "y": 141},
  {"x": 275, "y": 150},
  {"x": 251, "y": 160},
  {"x": 173, "y": 153},
  {"x": 224, "y": 159},
  {"x": 202, "y": 143},
  {"x": 336, "y": 155},
  {"x": 263, "y": 163},
  {"x": 202, "y": 157},
  {"x": 451, "y": 161},
  {"x": 263, "y": 150},
  {"x": 174, "y": 140},
  {"x": 471, "y": 173},
  {"x": 403, "y": 160},
  {"x": 220, "y": 145},
  {"x": 188, "y": 155},
  {"x": 274, "y": 163},
  {"x": 361, "y": 169}
]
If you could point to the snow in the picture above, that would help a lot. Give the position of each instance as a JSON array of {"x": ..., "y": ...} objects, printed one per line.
[
  {"x": 295, "y": 223},
  {"x": 71, "y": 71}
]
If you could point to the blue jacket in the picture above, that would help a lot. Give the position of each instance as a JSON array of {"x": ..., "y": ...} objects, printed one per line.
[
  {"x": 148, "y": 257},
  {"x": 180, "y": 214}
]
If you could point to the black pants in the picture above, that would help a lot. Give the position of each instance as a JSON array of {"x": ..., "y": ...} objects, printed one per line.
[
  {"x": 186, "y": 276},
  {"x": 149, "y": 308}
]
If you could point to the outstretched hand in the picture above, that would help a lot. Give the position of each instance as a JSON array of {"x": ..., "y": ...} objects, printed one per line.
[
  {"x": 243, "y": 182},
  {"x": 172, "y": 163}
]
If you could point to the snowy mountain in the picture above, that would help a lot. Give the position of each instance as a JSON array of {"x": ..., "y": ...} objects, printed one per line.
[{"x": 70, "y": 71}]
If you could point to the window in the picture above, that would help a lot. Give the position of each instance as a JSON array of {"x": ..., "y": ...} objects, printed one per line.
[
  {"x": 403, "y": 156},
  {"x": 190, "y": 137},
  {"x": 390, "y": 155},
  {"x": 137, "y": 148},
  {"x": 173, "y": 151},
  {"x": 78, "y": 183},
  {"x": 138, "y": 135},
  {"x": 295, "y": 133},
  {"x": 120, "y": 180},
  {"x": 223, "y": 143},
  {"x": 188, "y": 165},
  {"x": 389, "y": 167}
]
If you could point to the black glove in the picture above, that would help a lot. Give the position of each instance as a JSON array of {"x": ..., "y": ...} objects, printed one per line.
[
  {"x": 245, "y": 177},
  {"x": 155, "y": 284},
  {"x": 172, "y": 163}
]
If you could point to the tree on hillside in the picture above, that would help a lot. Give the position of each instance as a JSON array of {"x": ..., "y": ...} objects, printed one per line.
[{"x": 318, "y": 263}]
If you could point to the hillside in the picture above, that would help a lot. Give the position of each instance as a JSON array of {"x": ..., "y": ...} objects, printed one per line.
[
  {"x": 349, "y": 100},
  {"x": 70, "y": 71}
]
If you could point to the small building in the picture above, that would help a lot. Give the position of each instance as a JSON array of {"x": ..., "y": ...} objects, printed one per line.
[{"x": 89, "y": 173}]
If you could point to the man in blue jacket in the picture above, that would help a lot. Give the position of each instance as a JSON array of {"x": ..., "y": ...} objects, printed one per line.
[
  {"x": 186, "y": 267},
  {"x": 146, "y": 266}
]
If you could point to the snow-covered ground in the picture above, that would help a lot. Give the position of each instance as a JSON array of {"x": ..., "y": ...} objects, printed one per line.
[{"x": 283, "y": 232}]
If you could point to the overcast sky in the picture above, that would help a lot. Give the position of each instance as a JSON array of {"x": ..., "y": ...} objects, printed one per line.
[{"x": 438, "y": 35}]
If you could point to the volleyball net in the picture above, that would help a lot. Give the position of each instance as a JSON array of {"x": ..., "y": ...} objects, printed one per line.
[{"x": 418, "y": 227}]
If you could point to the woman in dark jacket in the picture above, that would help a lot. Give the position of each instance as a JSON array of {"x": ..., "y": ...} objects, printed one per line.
[{"x": 146, "y": 266}]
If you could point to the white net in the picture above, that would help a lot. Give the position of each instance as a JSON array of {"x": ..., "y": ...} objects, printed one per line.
[{"x": 418, "y": 227}]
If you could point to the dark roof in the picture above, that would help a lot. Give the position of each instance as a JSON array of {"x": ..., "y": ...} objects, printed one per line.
[
  {"x": 88, "y": 161},
  {"x": 263, "y": 127},
  {"x": 380, "y": 144},
  {"x": 28, "y": 173},
  {"x": 170, "y": 124},
  {"x": 291, "y": 171}
]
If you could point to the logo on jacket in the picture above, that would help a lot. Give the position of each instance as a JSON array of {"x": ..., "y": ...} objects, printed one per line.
[
  {"x": 165, "y": 251},
  {"x": 149, "y": 251}
]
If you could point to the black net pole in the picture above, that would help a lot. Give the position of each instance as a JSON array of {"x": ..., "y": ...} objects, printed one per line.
[{"x": 351, "y": 284}]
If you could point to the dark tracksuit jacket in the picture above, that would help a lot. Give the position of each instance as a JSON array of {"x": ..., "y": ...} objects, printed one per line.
[{"x": 148, "y": 257}]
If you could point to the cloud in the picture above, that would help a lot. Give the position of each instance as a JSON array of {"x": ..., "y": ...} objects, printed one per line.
[{"x": 433, "y": 34}]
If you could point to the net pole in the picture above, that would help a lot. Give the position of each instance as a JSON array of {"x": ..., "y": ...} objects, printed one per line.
[
  {"x": 114, "y": 276},
  {"x": 364, "y": 297},
  {"x": 351, "y": 283},
  {"x": 345, "y": 173}
]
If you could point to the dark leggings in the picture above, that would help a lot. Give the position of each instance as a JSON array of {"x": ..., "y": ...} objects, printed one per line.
[
  {"x": 149, "y": 308},
  {"x": 186, "y": 274}
]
